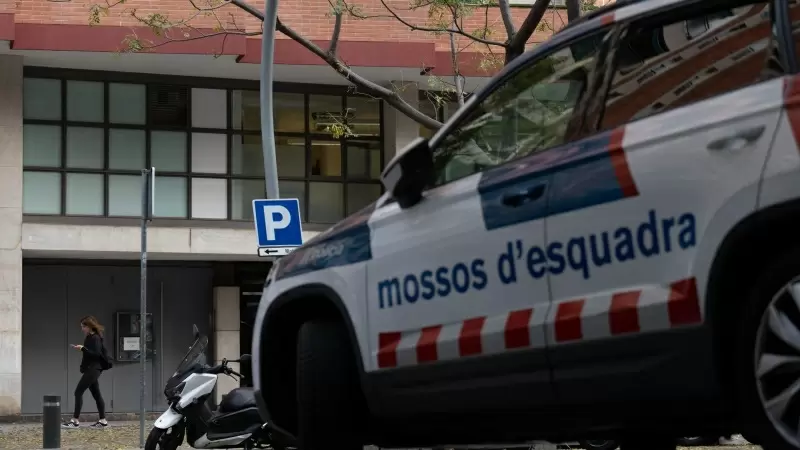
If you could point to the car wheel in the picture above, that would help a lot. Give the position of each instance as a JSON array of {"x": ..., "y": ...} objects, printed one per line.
[
  {"x": 327, "y": 388},
  {"x": 598, "y": 444},
  {"x": 696, "y": 441},
  {"x": 768, "y": 356}
]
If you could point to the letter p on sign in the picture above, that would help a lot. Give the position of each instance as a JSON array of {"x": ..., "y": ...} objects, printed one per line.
[{"x": 278, "y": 222}]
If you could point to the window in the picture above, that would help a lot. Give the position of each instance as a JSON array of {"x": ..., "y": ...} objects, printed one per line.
[
  {"x": 527, "y": 113},
  {"x": 331, "y": 176},
  {"x": 87, "y": 160},
  {"x": 85, "y": 143},
  {"x": 687, "y": 58}
]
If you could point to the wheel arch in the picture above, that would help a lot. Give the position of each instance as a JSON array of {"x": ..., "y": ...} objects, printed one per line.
[
  {"x": 750, "y": 242},
  {"x": 278, "y": 347}
]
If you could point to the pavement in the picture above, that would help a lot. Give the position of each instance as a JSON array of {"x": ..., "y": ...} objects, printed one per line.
[{"x": 125, "y": 436}]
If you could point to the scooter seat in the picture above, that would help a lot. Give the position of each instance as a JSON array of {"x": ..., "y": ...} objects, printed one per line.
[{"x": 237, "y": 399}]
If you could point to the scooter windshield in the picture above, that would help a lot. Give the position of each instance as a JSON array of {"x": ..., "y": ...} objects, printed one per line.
[{"x": 196, "y": 356}]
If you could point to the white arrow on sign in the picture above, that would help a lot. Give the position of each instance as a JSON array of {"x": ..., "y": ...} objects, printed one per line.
[{"x": 274, "y": 251}]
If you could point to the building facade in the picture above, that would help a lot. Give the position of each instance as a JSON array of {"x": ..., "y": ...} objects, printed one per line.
[{"x": 78, "y": 122}]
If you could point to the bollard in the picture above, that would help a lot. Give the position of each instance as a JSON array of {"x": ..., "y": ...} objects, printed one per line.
[{"x": 51, "y": 421}]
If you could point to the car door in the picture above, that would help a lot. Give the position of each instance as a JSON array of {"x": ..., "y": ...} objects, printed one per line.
[
  {"x": 691, "y": 112},
  {"x": 455, "y": 308}
]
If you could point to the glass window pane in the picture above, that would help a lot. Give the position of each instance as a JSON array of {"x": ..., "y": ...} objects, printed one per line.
[
  {"x": 209, "y": 153},
  {"x": 364, "y": 159},
  {"x": 41, "y": 193},
  {"x": 289, "y": 113},
  {"x": 326, "y": 203},
  {"x": 291, "y": 156},
  {"x": 243, "y": 192},
  {"x": 364, "y": 116},
  {"x": 246, "y": 155},
  {"x": 41, "y": 145},
  {"x": 41, "y": 99},
  {"x": 126, "y": 149},
  {"x": 170, "y": 197},
  {"x": 85, "y": 147},
  {"x": 168, "y": 151},
  {"x": 85, "y": 194},
  {"x": 85, "y": 101},
  {"x": 125, "y": 195},
  {"x": 209, "y": 108},
  {"x": 209, "y": 198},
  {"x": 325, "y": 113},
  {"x": 245, "y": 110},
  {"x": 127, "y": 103},
  {"x": 294, "y": 189},
  {"x": 326, "y": 159},
  {"x": 360, "y": 195}
]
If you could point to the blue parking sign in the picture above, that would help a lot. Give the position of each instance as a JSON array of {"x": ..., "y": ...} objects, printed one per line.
[{"x": 278, "y": 222}]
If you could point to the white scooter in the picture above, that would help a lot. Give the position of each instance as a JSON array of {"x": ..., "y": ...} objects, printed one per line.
[{"x": 235, "y": 424}]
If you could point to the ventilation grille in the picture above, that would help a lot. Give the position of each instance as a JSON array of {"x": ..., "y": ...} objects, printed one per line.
[{"x": 168, "y": 105}]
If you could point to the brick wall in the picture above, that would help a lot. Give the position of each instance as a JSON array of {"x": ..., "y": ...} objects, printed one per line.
[{"x": 307, "y": 16}]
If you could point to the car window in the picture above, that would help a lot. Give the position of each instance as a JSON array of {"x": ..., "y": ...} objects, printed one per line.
[
  {"x": 527, "y": 113},
  {"x": 687, "y": 57}
]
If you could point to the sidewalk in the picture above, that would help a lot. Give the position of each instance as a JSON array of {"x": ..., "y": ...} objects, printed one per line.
[{"x": 118, "y": 436}]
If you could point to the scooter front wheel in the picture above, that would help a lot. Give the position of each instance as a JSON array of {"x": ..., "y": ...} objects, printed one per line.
[{"x": 169, "y": 439}]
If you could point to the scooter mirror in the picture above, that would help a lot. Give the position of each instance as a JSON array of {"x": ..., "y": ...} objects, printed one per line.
[
  {"x": 245, "y": 358},
  {"x": 195, "y": 331}
]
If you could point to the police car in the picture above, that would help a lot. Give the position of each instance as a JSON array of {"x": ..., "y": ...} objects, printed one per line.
[{"x": 603, "y": 243}]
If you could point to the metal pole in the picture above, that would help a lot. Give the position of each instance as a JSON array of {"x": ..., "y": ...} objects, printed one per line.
[
  {"x": 51, "y": 421},
  {"x": 143, "y": 302},
  {"x": 267, "y": 121}
]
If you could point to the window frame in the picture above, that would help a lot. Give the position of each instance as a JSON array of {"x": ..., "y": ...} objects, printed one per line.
[
  {"x": 523, "y": 62},
  {"x": 345, "y": 180}
]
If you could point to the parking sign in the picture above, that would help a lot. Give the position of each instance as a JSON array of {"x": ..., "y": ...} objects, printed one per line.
[{"x": 278, "y": 225}]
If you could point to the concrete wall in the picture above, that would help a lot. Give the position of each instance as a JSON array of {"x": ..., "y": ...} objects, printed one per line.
[
  {"x": 103, "y": 241},
  {"x": 10, "y": 234},
  {"x": 226, "y": 334},
  {"x": 399, "y": 130},
  {"x": 58, "y": 295}
]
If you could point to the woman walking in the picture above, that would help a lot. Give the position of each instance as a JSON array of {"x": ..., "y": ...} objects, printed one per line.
[{"x": 92, "y": 364}]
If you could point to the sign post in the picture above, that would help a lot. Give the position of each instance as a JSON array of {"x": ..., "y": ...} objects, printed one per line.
[
  {"x": 278, "y": 226},
  {"x": 148, "y": 203}
]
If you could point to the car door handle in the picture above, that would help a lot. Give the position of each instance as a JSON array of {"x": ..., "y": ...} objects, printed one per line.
[
  {"x": 745, "y": 137},
  {"x": 520, "y": 198}
]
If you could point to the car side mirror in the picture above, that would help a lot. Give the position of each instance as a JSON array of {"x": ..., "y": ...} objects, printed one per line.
[{"x": 409, "y": 172}]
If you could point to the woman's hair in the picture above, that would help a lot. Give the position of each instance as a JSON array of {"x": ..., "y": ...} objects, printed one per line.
[{"x": 91, "y": 323}]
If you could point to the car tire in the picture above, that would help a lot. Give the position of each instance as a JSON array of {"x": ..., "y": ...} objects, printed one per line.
[
  {"x": 697, "y": 441},
  {"x": 327, "y": 388},
  {"x": 770, "y": 296},
  {"x": 598, "y": 444}
]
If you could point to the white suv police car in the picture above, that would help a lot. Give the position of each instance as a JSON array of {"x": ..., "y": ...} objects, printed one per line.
[{"x": 604, "y": 242}]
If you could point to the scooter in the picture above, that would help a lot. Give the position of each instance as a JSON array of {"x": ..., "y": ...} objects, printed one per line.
[{"x": 235, "y": 424}]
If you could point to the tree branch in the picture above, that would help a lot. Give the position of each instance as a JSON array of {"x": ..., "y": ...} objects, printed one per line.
[
  {"x": 505, "y": 13},
  {"x": 516, "y": 45},
  {"x": 456, "y": 72},
  {"x": 391, "y": 97},
  {"x": 413, "y": 27},
  {"x": 337, "y": 30}
]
